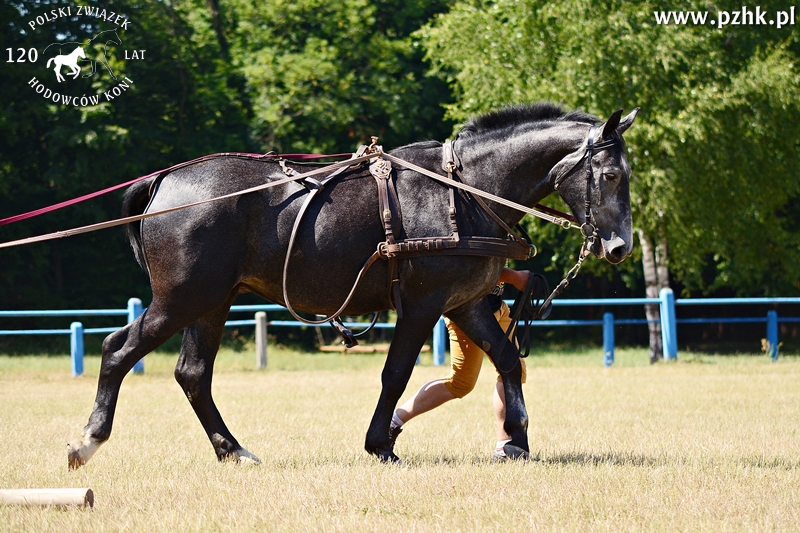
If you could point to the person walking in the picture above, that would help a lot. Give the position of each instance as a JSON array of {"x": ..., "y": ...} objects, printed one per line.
[{"x": 466, "y": 359}]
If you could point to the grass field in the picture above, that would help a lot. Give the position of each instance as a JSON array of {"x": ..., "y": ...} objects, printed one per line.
[{"x": 704, "y": 444}]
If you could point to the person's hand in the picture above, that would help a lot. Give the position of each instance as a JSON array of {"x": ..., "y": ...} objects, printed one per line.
[{"x": 517, "y": 278}]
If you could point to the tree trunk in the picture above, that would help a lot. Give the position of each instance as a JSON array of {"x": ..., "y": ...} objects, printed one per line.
[
  {"x": 652, "y": 287},
  {"x": 661, "y": 263},
  {"x": 216, "y": 22}
]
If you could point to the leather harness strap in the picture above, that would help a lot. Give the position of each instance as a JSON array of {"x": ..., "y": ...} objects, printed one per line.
[
  {"x": 389, "y": 210},
  {"x": 453, "y": 244},
  {"x": 451, "y": 164}
]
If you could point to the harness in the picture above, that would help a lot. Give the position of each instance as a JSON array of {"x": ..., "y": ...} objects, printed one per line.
[
  {"x": 393, "y": 248},
  {"x": 513, "y": 247}
]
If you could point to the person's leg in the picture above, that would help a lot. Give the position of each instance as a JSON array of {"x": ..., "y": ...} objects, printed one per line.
[
  {"x": 499, "y": 404},
  {"x": 465, "y": 365},
  {"x": 429, "y": 396}
]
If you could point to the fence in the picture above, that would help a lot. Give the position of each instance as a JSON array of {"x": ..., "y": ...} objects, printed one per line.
[{"x": 666, "y": 303}]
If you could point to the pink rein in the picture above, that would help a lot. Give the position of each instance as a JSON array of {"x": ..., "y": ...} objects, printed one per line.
[{"x": 66, "y": 203}]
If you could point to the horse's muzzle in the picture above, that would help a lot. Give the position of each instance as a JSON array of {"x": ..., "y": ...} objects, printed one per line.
[{"x": 615, "y": 249}]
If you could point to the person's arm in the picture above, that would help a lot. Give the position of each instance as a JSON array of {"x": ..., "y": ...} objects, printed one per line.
[{"x": 518, "y": 278}]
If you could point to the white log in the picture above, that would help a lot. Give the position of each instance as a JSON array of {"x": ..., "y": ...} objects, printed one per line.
[{"x": 57, "y": 497}]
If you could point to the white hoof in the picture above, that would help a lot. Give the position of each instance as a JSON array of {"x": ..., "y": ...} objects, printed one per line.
[
  {"x": 245, "y": 458},
  {"x": 80, "y": 451}
]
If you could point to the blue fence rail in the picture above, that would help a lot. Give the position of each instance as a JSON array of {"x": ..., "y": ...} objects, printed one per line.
[{"x": 666, "y": 302}]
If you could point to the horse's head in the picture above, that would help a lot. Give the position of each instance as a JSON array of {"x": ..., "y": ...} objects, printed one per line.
[
  {"x": 81, "y": 53},
  {"x": 594, "y": 182}
]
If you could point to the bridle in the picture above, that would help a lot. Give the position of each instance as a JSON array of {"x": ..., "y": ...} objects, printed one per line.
[
  {"x": 526, "y": 307},
  {"x": 588, "y": 229}
]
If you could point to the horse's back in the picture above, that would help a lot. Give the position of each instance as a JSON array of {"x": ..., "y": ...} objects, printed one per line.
[{"x": 243, "y": 240}]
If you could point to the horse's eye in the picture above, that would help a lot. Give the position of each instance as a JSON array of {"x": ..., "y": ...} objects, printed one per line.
[{"x": 612, "y": 175}]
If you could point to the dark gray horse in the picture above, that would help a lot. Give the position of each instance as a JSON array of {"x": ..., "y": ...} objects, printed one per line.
[{"x": 200, "y": 258}]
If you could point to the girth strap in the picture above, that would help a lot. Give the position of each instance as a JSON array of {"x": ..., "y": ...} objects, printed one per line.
[{"x": 485, "y": 246}]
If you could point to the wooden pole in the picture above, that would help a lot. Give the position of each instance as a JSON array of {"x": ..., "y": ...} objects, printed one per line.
[{"x": 57, "y": 497}]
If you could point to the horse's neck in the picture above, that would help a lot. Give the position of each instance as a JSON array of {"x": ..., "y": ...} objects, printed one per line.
[{"x": 518, "y": 168}]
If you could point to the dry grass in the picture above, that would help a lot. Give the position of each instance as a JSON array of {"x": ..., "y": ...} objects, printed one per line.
[{"x": 706, "y": 444}]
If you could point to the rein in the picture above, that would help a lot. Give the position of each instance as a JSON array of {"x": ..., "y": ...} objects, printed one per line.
[
  {"x": 127, "y": 220},
  {"x": 79, "y": 199}
]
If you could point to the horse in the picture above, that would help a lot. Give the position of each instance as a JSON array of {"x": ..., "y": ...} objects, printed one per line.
[
  {"x": 70, "y": 60},
  {"x": 198, "y": 259}
]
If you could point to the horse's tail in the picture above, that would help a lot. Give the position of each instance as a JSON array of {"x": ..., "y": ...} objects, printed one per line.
[
  {"x": 134, "y": 203},
  {"x": 49, "y": 61}
]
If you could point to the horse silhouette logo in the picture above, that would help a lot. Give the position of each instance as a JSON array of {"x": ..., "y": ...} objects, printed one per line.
[
  {"x": 69, "y": 60},
  {"x": 79, "y": 53}
]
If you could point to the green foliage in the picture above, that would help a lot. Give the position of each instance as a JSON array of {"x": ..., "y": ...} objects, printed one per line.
[
  {"x": 326, "y": 76},
  {"x": 715, "y": 166},
  {"x": 234, "y": 75}
]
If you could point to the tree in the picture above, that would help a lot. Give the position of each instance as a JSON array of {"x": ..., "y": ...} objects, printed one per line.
[
  {"x": 716, "y": 169},
  {"x": 218, "y": 76},
  {"x": 325, "y": 76},
  {"x": 180, "y": 105}
]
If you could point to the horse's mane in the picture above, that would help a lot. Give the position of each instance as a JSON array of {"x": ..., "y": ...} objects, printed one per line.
[{"x": 539, "y": 115}]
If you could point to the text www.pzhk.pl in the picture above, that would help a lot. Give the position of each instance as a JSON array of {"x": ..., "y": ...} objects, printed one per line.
[{"x": 742, "y": 17}]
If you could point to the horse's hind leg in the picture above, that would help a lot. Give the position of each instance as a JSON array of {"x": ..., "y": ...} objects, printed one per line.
[
  {"x": 121, "y": 350},
  {"x": 194, "y": 371}
]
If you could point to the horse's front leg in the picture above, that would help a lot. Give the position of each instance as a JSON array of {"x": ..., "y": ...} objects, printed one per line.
[
  {"x": 410, "y": 334},
  {"x": 477, "y": 321}
]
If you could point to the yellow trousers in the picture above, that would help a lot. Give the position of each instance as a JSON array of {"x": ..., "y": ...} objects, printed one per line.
[{"x": 466, "y": 357}]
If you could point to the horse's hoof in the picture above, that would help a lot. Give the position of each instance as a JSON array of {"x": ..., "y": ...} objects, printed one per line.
[
  {"x": 74, "y": 457},
  {"x": 240, "y": 457},
  {"x": 80, "y": 451},
  {"x": 516, "y": 453},
  {"x": 389, "y": 457},
  {"x": 245, "y": 458},
  {"x": 385, "y": 455}
]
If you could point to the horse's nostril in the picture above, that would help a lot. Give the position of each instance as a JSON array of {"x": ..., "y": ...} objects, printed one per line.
[{"x": 617, "y": 254}]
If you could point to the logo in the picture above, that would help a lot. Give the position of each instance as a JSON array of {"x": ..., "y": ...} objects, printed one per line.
[{"x": 85, "y": 63}]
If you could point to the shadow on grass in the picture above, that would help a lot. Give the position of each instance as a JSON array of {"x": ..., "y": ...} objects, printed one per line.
[
  {"x": 416, "y": 461},
  {"x": 777, "y": 463},
  {"x": 614, "y": 459}
]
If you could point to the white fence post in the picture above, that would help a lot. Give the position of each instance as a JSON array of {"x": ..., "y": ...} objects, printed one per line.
[{"x": 261, "y": 339}]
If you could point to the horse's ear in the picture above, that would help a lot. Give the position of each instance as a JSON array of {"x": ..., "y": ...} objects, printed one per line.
[
  {"x": 626, "y": 122},
  {"x": 611, "y": 124}
]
